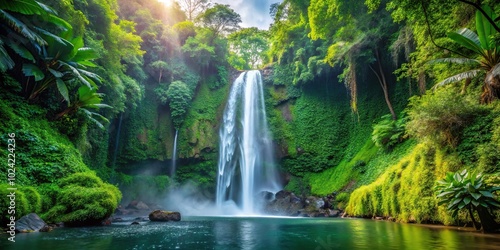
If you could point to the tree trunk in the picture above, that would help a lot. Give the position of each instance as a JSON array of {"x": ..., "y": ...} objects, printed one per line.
[
  {"x": 383, "y": 83},
  {"x": 488, "y": 223},
  {"x": 474, "y": 223},
  {"x": 491, "y": 88}
]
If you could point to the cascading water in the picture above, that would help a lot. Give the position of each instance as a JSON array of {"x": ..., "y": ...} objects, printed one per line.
[
  {"x": 246, "y": 165},
  {"x": 174, "y": 155}
]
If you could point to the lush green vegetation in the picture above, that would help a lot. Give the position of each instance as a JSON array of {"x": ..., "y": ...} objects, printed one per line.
[
  {"x": 472, "y": 192},
  {"x": 373, "y": 100}
]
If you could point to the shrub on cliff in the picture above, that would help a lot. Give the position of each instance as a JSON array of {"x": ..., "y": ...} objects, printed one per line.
[
  {"x": 84, "y": 200},
  {"x": 25, "y": 200}
]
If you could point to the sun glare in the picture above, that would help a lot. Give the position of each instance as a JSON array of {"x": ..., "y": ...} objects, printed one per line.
[{"x": 166, "y": 2}]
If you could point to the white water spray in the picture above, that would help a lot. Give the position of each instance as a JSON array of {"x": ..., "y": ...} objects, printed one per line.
[{"x": 246, "y": 165}]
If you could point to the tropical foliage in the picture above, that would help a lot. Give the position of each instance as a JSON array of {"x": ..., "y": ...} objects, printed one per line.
[
  {"x": 486, "y": 55},
  {"x": 470, "y": 191},
  {"x": 161, "y": 68},
  {"x": 387, "y": 133}
]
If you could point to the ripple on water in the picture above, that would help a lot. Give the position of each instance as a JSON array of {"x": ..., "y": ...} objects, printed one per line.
[{"x": 254, "y": 233}]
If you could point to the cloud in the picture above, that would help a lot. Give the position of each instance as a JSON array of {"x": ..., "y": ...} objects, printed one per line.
[{"x": 254, "y": 13}]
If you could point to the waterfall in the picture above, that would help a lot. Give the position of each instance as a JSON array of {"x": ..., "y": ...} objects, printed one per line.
[
  {"x": 246, "y": 165},
  {"x": 174, "y": 155}
]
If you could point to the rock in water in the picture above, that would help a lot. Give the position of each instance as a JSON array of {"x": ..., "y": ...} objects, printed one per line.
[
  {"x": 161, "y": 215},
  {"x": 139, "y": 205},
  {"x": 30, "y": 223}
]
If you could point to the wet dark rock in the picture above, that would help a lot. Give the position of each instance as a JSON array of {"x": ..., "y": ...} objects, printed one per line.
[
  {"x": 46, "y": 228},
  {"x": 283, "y": 194},
  {"x": 333, "y": 213},
  {"x": 285, "y": 203},
  {"x": 30, "y": 223},
  {"x": 288, "y": 204},
  {"x": 138, "y": 205},
  {"x": 106, "y": 222},
  {"x": 161, "y": 215},
  {"x": 56, "y": 225},
  {"x": 135, "y": 223},
  {"x": 266, "y": 195}
]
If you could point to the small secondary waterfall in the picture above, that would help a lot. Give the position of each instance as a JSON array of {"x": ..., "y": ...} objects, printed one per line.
[
  {"x": 174, "y": 155},
  {"x": 246, "y": 164}
]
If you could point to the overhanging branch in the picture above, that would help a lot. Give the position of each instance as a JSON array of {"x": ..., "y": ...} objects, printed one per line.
[
  {"x": 478, "y": 7},
  {"x": 430, "y": 32}
]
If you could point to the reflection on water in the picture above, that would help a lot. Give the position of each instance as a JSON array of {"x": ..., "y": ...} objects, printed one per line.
[{"x": 255, "y": 233}]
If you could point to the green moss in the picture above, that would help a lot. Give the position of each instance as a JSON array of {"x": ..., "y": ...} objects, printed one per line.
[
  {"x": 27, "y": 200},
  {"x": 42, "y": 154},
  {"x": 49, "y": 192},
  {"x": 34, "y": 199},
  {"x": 84, "y": 199},
  {"x": 144, "y": 187},
  {"x": 405, "y": 190},
  {"x": 146, "y": 132},
  {"x": 200, "y": 128},
  {"x": 202, "y": 174},
  {"x": 299, "y": 186},
  {"x": 334, "y": 179}
]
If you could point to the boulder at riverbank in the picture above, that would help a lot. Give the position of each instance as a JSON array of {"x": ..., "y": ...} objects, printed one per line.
[
  {"x": 286, "y": 203},
  {"x": 161, "y": 215},
  {"x": 31, "y": 223}
]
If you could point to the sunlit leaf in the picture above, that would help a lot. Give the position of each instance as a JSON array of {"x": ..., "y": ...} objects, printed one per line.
[
  {"x": 458, "y": 77},
  {"x": 468, "y": 39},
  {"x": 26, "y": 7},
  {"x": 484, "y": 27}
]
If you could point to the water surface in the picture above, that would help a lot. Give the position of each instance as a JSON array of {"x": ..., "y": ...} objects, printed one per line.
[{"x": 255, "y": 233}]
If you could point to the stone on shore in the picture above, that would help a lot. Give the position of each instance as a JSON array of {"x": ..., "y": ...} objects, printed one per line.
[
  {"x": 31, "y": 223},
  {"x": 161, "y": 215}
]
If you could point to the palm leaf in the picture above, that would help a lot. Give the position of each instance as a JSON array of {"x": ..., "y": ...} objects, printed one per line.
[
  {"x": 83, "y": 91},
  {"x": 20, "y": 50},
  {"x": 63, "y": 89},
  {"x": 47, "y": 8},
  {"x": 495, "y": 71},
  {"x": 32, "y": 70},
  {"x": 55, "y": 73},
  {"x": 468, "y": 39},
  {"x": 484, "y": 28},
  {"x": 84, "y": 54},
  {"x": 98, "y": 106},
  {"x": 61, "y": 23},
  {"x": 26, "y": 7},
  {"x": 91, "y": 77},
  {"x": 77, "y": 74},
  {"x": 20, "y": 27},
  {"x": 461, "y": 60},
  {"x": 58, "y": 46},
  {"x": 6, "y": 62},
  {"x": 458, "y": 77},
  {"x": 90, "y": 114}
]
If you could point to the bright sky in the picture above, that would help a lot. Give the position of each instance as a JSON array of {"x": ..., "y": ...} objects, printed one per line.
[{"x": 254, "y": 13}]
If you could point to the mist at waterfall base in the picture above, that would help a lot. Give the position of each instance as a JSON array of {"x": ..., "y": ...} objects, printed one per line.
[{"x": 246, "y": 169}]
